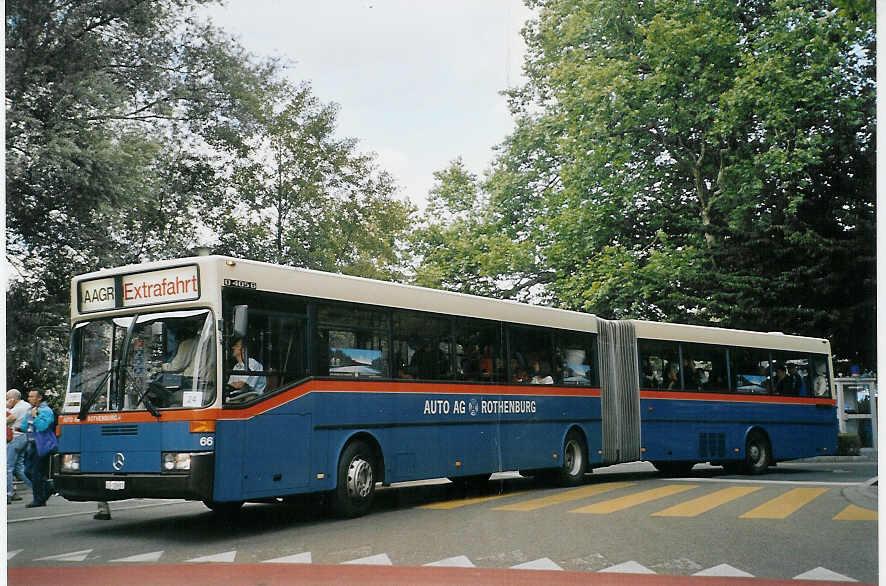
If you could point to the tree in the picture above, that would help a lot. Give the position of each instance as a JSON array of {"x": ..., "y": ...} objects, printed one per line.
[
  {"x": 299, "y": 195},
  {"x": 696, "y": 162},
  {"x": 461, "y": 247},
  {"x": 117, "y": 115}
]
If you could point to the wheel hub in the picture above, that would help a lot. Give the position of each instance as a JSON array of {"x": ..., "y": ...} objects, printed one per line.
[{"x": 360, "y": 479}]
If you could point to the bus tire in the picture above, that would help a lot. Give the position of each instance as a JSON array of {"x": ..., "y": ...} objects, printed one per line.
[
  {"x": 224, "y": 509},
  {"x": 758, "y": 454},
  {"x": 357, "y": 476},
  {"x": 575, "y": 460}
]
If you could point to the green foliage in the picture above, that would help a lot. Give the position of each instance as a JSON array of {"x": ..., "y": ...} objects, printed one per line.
[
  {"x": 303, "y": 197},
  {"x": 705, "y": 163},
  {"x": 134, "y": 131}
]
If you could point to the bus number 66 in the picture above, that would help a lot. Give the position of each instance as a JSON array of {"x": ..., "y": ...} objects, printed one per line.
[{"x": 206, "y": 441}]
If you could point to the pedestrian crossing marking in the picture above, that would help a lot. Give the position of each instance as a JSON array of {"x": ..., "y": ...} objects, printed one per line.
[
  {"x": 786, "y": 504},
  {"x": 153, "y": 556},
  {"x": 563, "y": 497},
  {"x": 637, "y": 498},
  {"x": 446, "y": 505},
  {"x": 855, "y": 513},
  {"x": 707, "y": 502}
]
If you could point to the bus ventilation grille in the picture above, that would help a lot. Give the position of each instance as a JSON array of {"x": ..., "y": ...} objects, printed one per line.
[
  {"x": 712, "y": 445},
  {"x": 120, "y": 430}
]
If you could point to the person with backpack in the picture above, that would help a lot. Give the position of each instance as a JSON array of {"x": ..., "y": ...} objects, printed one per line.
[{"x": 38, "y": 420}]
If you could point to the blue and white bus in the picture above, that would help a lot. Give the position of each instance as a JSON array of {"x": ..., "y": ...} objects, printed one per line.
[{"x": 228, "y": 381}]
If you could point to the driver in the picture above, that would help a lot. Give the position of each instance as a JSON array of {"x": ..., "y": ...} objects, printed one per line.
[{"x": 244, "y": 382}]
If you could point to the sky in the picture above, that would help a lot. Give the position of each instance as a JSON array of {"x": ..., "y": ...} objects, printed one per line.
[{"x": 418, "y": 82}]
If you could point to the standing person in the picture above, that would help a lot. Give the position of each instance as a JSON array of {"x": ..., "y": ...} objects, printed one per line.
[
  {"x": 16, "y": 410},
  {"x": 39, "y": 418}
]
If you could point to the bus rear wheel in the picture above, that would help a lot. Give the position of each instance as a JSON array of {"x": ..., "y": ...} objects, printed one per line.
[
  {"x": 357, "y": 475},
  {"x": 758, "y": 454},
  {"x": 575, "y": 460}
]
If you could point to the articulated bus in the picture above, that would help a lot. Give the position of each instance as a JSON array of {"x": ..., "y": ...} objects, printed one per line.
[{"x": 231, "y": 381}]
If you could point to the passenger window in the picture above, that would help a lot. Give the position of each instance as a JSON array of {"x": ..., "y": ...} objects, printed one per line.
[
  {"x": 659, "y": 365},
  {"x": 531, "y": 356},
  {"x": 575, "y": 359},
  {"x": 422, "y": 348},
  {"x": 751, "y": 370},
  {"x": 821, "y": 384},
  {"x": 704, "y": 368},
  {"x": 279, "y": 345},
  {"x": 352, "y": 342},
  {"x": 479, "y": 350}
]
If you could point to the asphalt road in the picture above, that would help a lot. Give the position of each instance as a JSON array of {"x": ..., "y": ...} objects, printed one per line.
[{"x": 802, "y": 520}]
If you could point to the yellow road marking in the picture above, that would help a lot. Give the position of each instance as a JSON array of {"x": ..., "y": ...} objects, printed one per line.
[
  {"x": 854, "y": 513},
  {"x": 446, "y": 505},
  {"x": 637, "y": 498},
  {"x": 705, "y": 503},
  {"x": 563, "y": 497},
  {"x": 782, "y": 506}
]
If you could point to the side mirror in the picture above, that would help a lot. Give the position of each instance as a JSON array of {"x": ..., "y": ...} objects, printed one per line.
[{"x": 241, "y": 320}]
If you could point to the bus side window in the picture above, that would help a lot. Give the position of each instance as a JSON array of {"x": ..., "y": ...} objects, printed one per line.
[
  {"x": 574, "y": 358},
  {"x": 421, "y": 346},
  {"x": 659, "y": 365},
  {"x": 751, "y": 372},
  {"x": 480, "y": 350},
  {"x": 821, "y": 385}
]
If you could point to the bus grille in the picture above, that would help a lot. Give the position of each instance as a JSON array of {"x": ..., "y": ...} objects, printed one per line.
[{"x": 120, "y": 430}]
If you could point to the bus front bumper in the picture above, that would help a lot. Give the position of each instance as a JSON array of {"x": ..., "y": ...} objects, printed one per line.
[{"x": 196, "y": 484}]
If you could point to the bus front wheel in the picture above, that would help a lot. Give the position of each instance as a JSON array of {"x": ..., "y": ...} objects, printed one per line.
[
  {"x": 575, "y": 460},
  {"x": 357, "y": 475},
  {"x": 758, "y": 454}
]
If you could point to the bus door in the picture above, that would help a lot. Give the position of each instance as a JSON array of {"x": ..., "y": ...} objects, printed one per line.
[{"x": 619, "y": 391}]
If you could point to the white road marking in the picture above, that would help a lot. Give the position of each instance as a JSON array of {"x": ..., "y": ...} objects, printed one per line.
[
  {"x": 299, "y": 558},
  {"x": 74, "y": 556},
  {"x": 381, "y": 559},
  {"x": 459, "y": 561},
  {"x": 724, "y": 570},
  {"x": 540, "y": 564},
  {"x": 227, "y": 556},
  {"x": 12, "y": 554},
  {"x": 629, "y": 567},
  {"x": 820, "y": 573},
  {"x": 142, "y": 557}
]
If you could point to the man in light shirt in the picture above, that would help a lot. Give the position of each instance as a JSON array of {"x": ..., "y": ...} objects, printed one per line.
[{"x": 245, "y": 382}]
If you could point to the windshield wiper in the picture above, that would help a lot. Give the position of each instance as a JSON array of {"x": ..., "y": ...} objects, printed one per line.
[
  {"x": 149, "y": 405},
  {"x": 86, "y": 405}
]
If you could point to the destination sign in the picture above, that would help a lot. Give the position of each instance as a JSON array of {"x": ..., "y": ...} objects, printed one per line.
[{"x": 155, "y": 287}]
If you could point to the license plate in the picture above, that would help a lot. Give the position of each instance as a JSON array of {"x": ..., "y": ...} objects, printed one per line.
[{"x": 115, "y": 484}]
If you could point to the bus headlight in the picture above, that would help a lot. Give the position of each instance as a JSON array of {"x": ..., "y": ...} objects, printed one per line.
[
  {"x": 174, "y": 462},
  {"x": 70, "y": 463}
]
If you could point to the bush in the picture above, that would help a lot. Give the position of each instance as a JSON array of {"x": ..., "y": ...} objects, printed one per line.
[{"x": 848, "y": 444}]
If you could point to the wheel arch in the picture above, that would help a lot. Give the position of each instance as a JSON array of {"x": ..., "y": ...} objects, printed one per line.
[
  {"x": 758, "y": 430},
  {"x": 370, "y": 440}
]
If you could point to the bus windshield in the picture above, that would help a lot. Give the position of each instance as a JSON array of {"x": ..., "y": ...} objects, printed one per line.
[{"x": 146, "y": 361}]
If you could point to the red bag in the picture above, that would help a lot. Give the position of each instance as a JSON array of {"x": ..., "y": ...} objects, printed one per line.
[{"x": 8, "y": 430}]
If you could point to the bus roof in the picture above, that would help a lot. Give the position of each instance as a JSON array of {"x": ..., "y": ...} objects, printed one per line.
[{"x": 310, "y": 283}]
